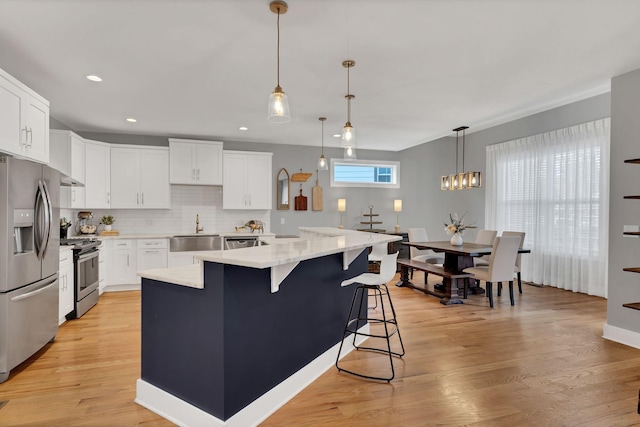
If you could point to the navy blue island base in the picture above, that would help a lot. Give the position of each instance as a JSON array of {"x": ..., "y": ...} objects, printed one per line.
[{"x": 222, "y": 347}]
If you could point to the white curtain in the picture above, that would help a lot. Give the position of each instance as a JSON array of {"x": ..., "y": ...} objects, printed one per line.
[{"x": 555, "y": 187}]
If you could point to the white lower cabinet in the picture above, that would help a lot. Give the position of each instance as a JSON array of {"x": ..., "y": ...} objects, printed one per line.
[
  {"x": 66, "y": 285},
  {"x": 123, "y": 270},
  {"x": 178, "y": 259},
  {"x": 103, "y": 266},
  {"x": 152, "y": 253}
]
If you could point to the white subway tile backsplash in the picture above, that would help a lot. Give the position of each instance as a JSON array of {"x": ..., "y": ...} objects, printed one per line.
[{"x": 187, "y": 201}]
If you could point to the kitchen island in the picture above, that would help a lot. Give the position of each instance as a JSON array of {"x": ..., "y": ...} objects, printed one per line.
[{"x": 229, "y": 341}]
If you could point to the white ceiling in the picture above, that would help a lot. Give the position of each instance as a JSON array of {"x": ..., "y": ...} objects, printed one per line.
[{"x": 202, "y": 68}]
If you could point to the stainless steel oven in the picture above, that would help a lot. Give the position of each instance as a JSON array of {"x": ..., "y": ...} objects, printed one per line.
[{"x": 86, "y": 277}]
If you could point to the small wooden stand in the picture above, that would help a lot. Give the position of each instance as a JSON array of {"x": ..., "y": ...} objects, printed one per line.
[{"x": 371, "y": 222}]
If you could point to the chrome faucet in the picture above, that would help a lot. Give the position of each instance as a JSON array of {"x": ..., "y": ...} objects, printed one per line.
[{"x": 198, "y": 228}]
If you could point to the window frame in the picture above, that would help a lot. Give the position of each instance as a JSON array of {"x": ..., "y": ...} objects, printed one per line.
[{"x": 391, "y": 164}]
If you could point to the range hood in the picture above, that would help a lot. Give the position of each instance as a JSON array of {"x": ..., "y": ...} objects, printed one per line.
[{"x": 67, "y": 181}]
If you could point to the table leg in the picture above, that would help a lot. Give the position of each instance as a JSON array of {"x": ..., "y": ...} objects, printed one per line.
[
  {"x": 451, "y": 292},
  {"x": 404, "y": 277}
]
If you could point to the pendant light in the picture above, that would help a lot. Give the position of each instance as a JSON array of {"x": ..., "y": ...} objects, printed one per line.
[
  {"x": 322, "y": 161},
  {"x": 348, "y": 132},
  {"x": 278, "y": 102},
  {"x": 461, "y": 180}
]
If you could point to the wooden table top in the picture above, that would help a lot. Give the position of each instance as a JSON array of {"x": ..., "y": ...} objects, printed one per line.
[{"x": 466, "y": 249}]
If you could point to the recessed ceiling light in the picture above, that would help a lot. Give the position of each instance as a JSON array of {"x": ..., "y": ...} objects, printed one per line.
[
  {"x": 94, "y": 78},
  {"x": 131, "y": 120},
  {"x": 243, "y": 128},
  {"x": 337, "y": 135}
]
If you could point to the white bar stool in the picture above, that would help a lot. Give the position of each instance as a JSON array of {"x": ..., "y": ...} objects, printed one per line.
[{"x": 377, "y": 283}]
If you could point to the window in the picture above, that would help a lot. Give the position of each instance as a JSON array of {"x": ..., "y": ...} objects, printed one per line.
[
  {"x": 554, "y": 187},
  {"x": 365, "y": 173}
]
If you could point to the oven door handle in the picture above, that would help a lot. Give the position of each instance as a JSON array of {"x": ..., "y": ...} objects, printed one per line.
[{"x": 89, "y": 255}]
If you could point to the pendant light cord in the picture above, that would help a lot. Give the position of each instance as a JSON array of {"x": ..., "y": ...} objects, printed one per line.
[
  {"x": 278, "y": 50},
  {"x": 462, "y": 150},
  {"x": 348, "y": 96},
  {"x": 322, "y": 122},
  {"x": 457, "y": 144}
]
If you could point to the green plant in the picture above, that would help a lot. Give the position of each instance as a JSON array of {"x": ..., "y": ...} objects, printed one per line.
[{"x": 107, "y": 220}]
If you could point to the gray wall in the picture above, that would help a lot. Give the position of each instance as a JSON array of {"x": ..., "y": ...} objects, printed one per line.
[
  {"x": 422, "y": 166},
  {"x": 424, "y": 204},
  {"x": 624, "y": 287}
]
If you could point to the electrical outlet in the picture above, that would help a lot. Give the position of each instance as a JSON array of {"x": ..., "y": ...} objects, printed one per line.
[{"x": 282, "y": 221}]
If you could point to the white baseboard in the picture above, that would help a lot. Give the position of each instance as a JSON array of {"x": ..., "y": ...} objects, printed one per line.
[
  {"x": 622, "y": 336},
  {"x": 184, "y": 414},
  {"x": 118, "y": 288}
]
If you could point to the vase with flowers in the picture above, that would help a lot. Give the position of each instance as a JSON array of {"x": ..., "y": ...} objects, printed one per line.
[{"x": 455, "y": 228}]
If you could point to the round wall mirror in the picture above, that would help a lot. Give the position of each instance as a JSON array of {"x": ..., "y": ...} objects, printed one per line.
[{"x": 282, "y": 190}]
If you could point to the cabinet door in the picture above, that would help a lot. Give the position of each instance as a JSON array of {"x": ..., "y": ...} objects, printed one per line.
[
  {"x": 155, "y": 192},
  {"x": 151, "y": 258},
  {"x": 125, "y": 178},
  {"x": 77, "y": 158},
  {"x": 37, "y": 123},
  {"x": 10, "y": 117},
  {"x": 258, "y": 181},
  {"x": 177, "y": 259},
  {"x": 97, "y": 175},
  {"x": 124, "y": 267},
  {"x": 182, "y": 163},
  {"x": 234, "y": 194},
  {"x": 209, "y": 164}
]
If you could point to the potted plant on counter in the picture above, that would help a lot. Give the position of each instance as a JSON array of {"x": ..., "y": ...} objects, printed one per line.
[{"x": 108, "y": 221}]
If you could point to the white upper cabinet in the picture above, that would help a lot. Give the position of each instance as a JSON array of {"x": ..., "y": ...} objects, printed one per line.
[
  {"x": 246, "y": 180},
  {"x": 67, "y": 155},
  {"x": 195, "y": 162},
  {"x": 97, "y": 185},
  {"x": 24, "y": 120},
  {"x": 140, "y": 177}
]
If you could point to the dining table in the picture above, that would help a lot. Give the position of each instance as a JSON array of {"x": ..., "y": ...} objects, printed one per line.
[{"x": 456, "y": 259}]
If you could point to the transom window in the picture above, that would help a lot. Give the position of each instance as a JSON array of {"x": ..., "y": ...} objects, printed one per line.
[{"x": 365, "y": 173}]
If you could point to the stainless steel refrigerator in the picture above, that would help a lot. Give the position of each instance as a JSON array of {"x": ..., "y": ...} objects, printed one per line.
[{"x": 29, "y": 259}]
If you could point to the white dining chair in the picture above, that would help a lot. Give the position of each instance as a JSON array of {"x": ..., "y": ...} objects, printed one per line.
[
  {"x": 484, "y": 237},
  {"x": 424, "y": 255},
  {"x": 517, "y": 267},
  {"x": 500, "y": 268}
]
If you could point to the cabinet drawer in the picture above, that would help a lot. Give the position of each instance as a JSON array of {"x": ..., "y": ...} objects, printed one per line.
[
  {"x": 66, "y": 258},
  {"x": 152, "y": 244},
  {"x": 122, "y": 244}
]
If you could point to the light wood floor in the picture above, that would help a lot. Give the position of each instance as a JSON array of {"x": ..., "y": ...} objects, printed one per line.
[{"x": 540, "y": 363}]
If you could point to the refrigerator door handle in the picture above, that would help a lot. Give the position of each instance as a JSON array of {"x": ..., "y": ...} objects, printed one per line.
[
  {"x": 48, "y": 217},
  {"x": 42, "y": 223},
  {"x": 33, "y": 293}
]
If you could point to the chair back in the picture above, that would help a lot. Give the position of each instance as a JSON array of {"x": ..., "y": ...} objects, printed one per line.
[
  {"x": 486, "y": 237},
  {"x": 520, "y": 234},
  {"x": 503, "y": 258},
  {"x": 378, "y": 251},
  {"x": 388, "y": 267},
  {"x": 418, "y": 235}
]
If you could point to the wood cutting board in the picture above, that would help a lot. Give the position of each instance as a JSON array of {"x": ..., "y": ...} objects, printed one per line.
[
  {"x": 300, "y": 202},
  {"x": 316, "y": 196}
]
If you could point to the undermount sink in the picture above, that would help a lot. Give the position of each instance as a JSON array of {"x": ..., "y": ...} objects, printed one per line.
[{"x": 195, "y": 242}]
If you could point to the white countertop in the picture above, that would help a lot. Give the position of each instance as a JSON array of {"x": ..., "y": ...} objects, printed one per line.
[
  {"x": 279, "y": 252},
  {"x": 169, "y": 235}
]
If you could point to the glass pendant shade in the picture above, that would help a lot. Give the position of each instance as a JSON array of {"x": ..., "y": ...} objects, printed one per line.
[
  {"x": 348, "y": 135},
  {"x": 453, "y": 179},
  {"x": 462, "y": 181},
  {"x": 445, "y": 183},
  {"x": 278, "y": 107},
  {"x": 350, "y": 153},
  {"x": 474, "y": 179},
  {"x": 322, "y": 163}
]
